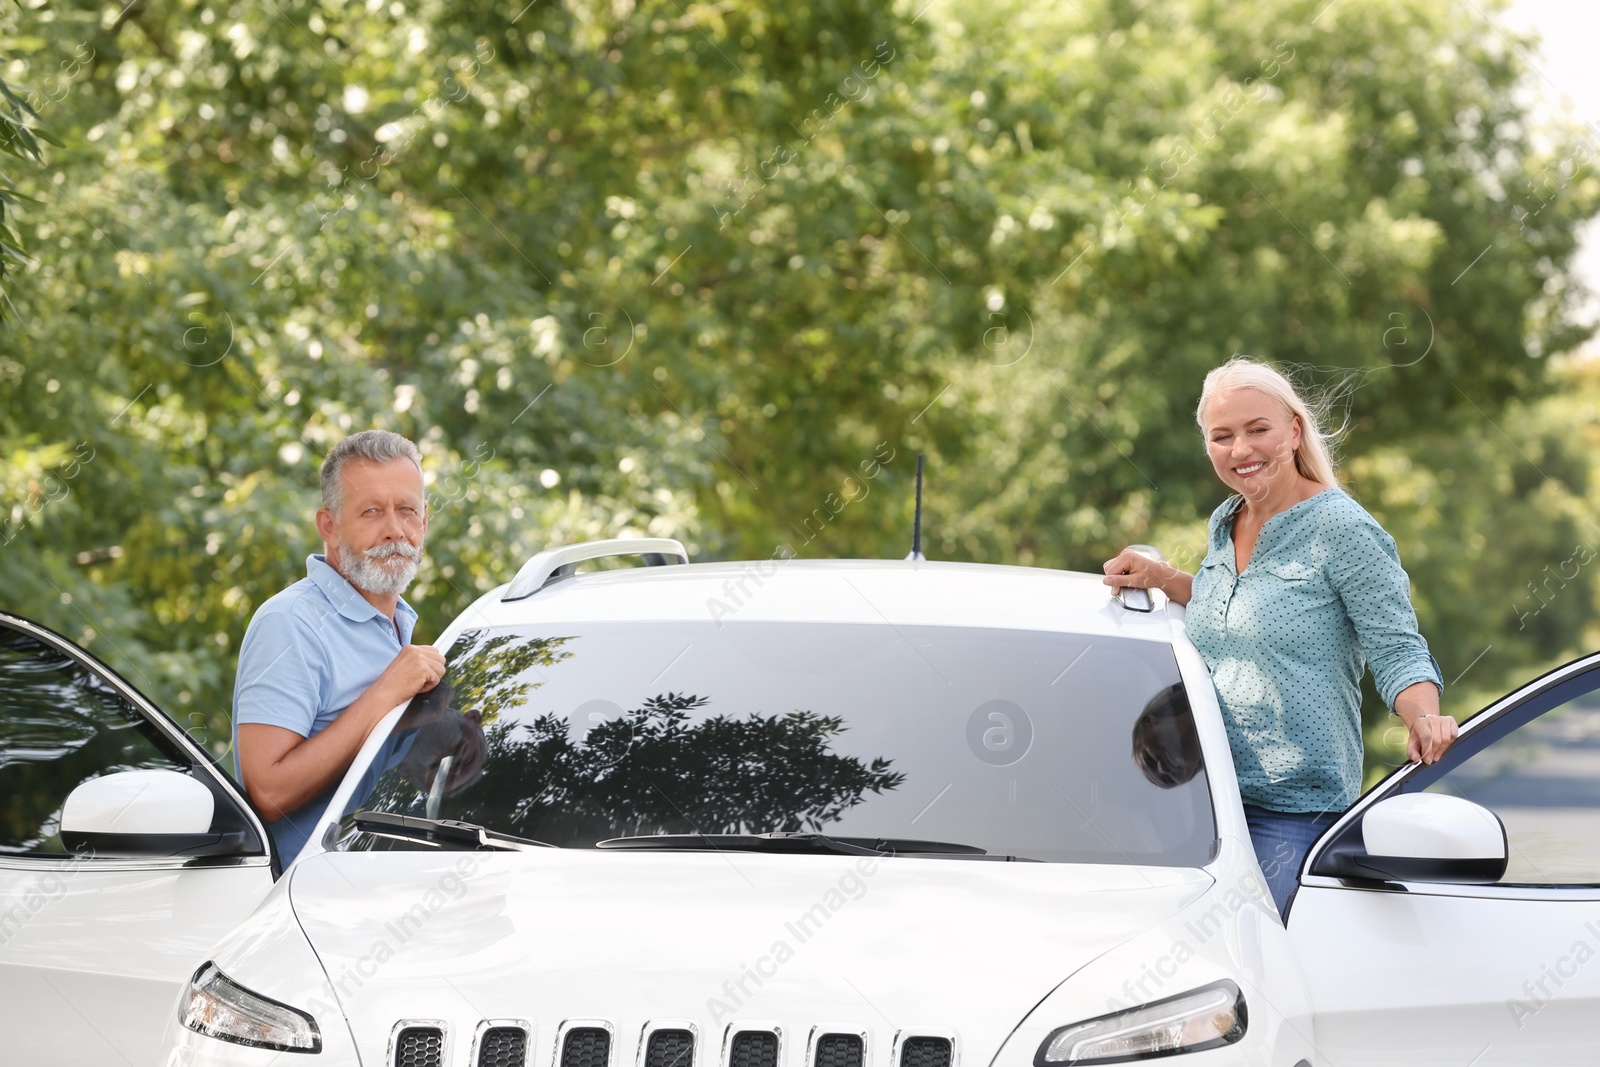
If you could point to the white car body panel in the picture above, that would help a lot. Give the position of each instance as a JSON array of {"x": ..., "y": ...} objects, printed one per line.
[
  {"x": 898, "y": 592},
  {"x": 632, "y": 937},
  {"x": 1226, "y": 805},
  {"x": 268, "y": 953},
  {"x": 112, "y": 942},
  {"x": 1429, "y": 980},
  {"x": 1233, "y": 932}
]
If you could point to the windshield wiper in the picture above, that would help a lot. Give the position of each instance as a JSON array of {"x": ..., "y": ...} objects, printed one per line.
[
  {"x": 794, "y": 842},
  {"x": 448, "y": 833}
]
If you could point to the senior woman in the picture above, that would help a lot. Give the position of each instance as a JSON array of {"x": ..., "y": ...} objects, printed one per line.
[{"x": 1300, "y": 591}]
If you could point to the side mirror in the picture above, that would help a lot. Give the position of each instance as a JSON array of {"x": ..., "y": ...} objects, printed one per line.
[
  {"x": 1420, "y": 837},
  {"x": 144, "y": 813}
]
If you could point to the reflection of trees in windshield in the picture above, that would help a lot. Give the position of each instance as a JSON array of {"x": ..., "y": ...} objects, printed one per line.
[
  {"x": 651, "y": 771},
  {"x": 486, "y": 672}
]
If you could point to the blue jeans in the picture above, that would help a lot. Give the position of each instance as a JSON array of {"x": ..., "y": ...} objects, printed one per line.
[{"x": 1281, "y": 840}]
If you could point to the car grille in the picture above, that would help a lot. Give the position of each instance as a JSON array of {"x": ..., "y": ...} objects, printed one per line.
[
  {"x": 419, "y": 1046},
  {"x": 925, "y": 1052},
  {"x": 753, "y": 1048},
  {"x": 670, "y": 1048},
  {"x": 586, "y": 1046},
  {"x": 590, "y": 1046},
  {"x": 839, "y": 1050},
  {"x": 503, "y": 1046}
]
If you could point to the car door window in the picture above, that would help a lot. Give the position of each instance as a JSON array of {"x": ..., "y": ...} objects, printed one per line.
[
  {"x": 1542, "y": 778},
  {"x": 60, "y": 725}
]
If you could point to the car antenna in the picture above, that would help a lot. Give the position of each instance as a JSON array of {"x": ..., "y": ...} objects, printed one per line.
[{"x": 916, "y": 526}]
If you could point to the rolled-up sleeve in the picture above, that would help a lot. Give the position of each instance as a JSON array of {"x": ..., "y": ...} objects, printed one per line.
[{"x": 1367, "y": 575}]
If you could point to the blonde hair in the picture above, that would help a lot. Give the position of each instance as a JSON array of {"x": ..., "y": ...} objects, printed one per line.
[{"x": 1314, "y": 458}]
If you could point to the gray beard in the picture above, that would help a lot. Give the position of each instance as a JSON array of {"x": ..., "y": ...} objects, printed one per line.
[{"x": 365, "y": 571}]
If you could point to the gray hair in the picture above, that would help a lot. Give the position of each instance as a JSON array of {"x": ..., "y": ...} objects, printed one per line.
[{"x": 379, "y": 446}]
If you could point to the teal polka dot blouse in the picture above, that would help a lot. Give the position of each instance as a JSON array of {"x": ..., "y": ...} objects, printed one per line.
[{"x": 1322, "y": 598}]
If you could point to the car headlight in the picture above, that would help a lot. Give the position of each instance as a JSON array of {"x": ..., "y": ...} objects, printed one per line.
[
  {"x": 218, "y": 1007},
  {"x": 1205, "y": 1018}
]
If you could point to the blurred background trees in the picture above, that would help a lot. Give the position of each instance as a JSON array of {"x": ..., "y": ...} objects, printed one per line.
[{"x": 684, "y": 269}]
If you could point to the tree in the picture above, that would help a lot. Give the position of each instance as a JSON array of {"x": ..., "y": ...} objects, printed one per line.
[
  {"x": 721, "y": 271},
  {"x": 19, "y": 139}
]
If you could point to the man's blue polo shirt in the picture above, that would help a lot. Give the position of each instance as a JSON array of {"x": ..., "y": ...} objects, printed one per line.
[{"x": 308, "y": 653}]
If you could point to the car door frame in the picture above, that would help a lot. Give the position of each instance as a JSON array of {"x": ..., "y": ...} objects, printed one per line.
[
  {"x": 128, "y": 998},
  {"x": 1481, "y": 730},
  {"x": 202, "y": 759},
  {"x": 1437, "y": 952}
]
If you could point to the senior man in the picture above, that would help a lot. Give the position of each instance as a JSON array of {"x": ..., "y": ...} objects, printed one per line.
[{"x": 324, "y": 659}]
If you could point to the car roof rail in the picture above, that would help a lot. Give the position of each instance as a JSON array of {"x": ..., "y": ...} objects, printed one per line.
[{"x": 554, "y": 564}]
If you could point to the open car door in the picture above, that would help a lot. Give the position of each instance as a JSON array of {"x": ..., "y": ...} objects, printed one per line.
[
  {"x": 1452, "y": 916},
  {"x": 125, "y": 854}
]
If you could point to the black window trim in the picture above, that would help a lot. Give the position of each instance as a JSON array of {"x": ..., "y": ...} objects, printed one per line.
[
  {"x": 1553, "y": 688},
  {"x": 201, "y": 760}
]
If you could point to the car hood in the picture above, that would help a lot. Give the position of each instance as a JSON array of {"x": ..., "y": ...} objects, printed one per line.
[{"x": 961, "y": 948}]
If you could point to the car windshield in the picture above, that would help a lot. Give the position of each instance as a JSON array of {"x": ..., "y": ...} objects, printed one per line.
[{"x": 1040, "y": 746}]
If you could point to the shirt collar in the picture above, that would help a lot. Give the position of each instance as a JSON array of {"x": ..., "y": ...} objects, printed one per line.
[
  {"x": 1222, "y": 530},
  {"x": 344, "y": 596}
]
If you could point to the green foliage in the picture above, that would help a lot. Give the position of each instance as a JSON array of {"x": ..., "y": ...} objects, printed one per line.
[
  {"x": 19, "y": 139},
  {"x": 714, "y": 271},
  {"x": 1498, "y": 520},
  {"x": 1315, "y": 196}
]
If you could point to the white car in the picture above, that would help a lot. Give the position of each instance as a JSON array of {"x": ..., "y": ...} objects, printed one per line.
[{"x": 788, "y": 814}]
